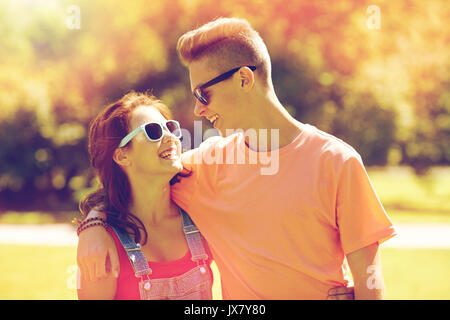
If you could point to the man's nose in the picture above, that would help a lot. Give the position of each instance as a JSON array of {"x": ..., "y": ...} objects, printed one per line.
[{"x": 199, "y": 108}]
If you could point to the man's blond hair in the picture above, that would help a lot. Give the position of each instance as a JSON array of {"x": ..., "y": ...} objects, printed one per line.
[{"x": 227, "y": 43}]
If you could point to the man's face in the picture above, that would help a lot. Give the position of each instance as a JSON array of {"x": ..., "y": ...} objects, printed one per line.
[{"x": 222, "y": 110}]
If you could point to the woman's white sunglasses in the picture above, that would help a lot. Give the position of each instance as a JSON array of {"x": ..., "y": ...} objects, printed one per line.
[{"x": 154, "y": 131}]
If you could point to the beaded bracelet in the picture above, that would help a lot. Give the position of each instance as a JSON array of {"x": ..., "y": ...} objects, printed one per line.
[
  {"x": 86, "y": 226},
  {"x": 92, "y": 219},
  {"x": 85, "y": 222}
]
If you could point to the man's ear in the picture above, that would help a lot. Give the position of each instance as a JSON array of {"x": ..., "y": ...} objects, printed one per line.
[
  {"x": 246, "y": 78},
  {"x": 120, "y": 156}
]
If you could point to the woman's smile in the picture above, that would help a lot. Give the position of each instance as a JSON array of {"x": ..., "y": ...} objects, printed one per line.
[{"x": 170, "y": 154}]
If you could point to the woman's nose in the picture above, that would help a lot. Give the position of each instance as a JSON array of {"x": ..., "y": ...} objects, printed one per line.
[
  {"x": 199, "y": 108},
  {"x": 168, "y": 136}
]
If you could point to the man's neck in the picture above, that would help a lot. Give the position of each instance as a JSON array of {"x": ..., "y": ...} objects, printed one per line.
[{"x": 274, "y": 126}]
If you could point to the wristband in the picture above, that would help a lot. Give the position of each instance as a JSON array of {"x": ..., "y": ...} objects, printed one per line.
[
  {"x": 86, "y": 226},
  {"x": 83, "y": 223}
]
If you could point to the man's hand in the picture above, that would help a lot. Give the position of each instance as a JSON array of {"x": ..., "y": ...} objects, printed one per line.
[
  {"x": 97, "y": 255},
  {"x": 341, "y": 293}
]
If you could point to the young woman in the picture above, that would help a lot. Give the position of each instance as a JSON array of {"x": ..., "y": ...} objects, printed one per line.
[{"x": 136, "y": 152}]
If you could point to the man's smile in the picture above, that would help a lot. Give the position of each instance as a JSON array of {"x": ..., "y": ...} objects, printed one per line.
[{"x": 212, "y": 118}]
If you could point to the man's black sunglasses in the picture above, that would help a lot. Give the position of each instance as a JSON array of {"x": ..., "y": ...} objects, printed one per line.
[{"x": 198, "y": 93}]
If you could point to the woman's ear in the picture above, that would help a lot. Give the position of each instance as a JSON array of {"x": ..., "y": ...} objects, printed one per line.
[
  {"x": 120, "y": 156},
  {"x": 246, "y": 78}
]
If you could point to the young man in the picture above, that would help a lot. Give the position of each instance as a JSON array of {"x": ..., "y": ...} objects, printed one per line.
[{"x": 278, "y": 232}]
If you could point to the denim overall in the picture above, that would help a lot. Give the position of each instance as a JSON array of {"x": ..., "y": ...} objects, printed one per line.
[{"x": 194, "y": 284}]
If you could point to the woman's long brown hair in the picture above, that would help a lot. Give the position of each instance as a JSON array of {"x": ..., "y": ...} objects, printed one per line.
[{"x": 113, "y": 197}]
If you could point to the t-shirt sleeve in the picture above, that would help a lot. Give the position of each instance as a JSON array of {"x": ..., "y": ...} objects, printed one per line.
[
  {"x": 361, "y": 218},
  {"x": 183, "y": 192}
]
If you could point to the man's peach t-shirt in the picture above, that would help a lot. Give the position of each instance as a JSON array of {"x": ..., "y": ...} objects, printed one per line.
[{"x": 282, "y": 236}]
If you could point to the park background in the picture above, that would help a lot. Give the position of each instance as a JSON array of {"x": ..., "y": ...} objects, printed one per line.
[{"x": 373, "y": 73}]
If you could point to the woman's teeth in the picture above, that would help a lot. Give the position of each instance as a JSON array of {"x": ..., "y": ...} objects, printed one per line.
[{"x": 169, "y": 154}]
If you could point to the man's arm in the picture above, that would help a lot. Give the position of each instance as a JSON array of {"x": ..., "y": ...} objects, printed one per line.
[
  {"x": 365, "y": 265},
  {"x": 104, "y": 289},
  {"x": 97, "y": 255}
]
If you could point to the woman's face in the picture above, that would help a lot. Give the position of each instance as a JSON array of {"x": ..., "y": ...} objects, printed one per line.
[{"x": 153, "y": 157}]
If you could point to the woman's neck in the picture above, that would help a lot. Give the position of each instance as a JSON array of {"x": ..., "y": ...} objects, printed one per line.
[{"x": 151, "y": 201}]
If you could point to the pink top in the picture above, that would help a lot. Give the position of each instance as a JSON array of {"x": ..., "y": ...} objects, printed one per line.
[{"x": 128, "y": 283}]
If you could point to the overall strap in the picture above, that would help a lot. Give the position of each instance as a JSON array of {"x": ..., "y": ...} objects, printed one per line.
[
  {"x": 193, "y": 238},
  {"x": 135, "y": 255}
]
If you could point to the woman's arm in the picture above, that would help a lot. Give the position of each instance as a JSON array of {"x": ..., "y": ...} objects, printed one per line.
[{"x": 365, "y": 266}]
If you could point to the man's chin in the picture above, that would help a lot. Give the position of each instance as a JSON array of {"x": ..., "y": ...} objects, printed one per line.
[
  {"x": 225, "y": 131},
  {"x": 220, "y": 129}
]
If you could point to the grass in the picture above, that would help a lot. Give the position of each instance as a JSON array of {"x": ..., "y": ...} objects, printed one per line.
[
  {"x": 406, "y": 216},
  {"x": 37, "y": 217},
  {"x": 42, "y": 272},
  {"x": 400, "y": 189},
  {"x": 36, "y": 272},
  {"x": 416, "y": 274}
]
